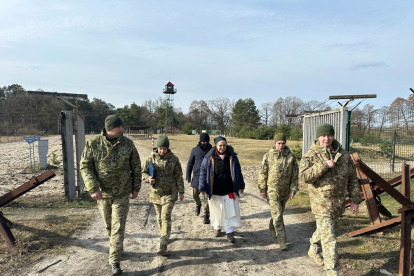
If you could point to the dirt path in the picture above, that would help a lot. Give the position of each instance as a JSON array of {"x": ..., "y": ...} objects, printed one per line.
[{"x": 193, "y": 250}]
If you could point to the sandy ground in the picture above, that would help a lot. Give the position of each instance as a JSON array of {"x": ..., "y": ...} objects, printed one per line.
[{"x": 193, "y": 250}]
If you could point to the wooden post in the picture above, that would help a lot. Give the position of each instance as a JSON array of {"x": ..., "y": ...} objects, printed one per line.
[
  {"x": 368, "y": 194},
  {"x": 79, "y": 126},
  {"x": 406, "y": 220},
  {"x": 67, "y": 152}
]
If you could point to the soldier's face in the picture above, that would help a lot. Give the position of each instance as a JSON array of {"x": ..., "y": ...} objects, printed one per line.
[
  {"x": 326, "y": 140},
  {"x": 162, "y": 150},
  {"x": 115, "y": 132},
  {"x": 221, "y": 146},
  {"x": 280, "y": 145}
]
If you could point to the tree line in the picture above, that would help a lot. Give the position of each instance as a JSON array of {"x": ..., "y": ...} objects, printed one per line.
[{"x": 22, "y": 114}]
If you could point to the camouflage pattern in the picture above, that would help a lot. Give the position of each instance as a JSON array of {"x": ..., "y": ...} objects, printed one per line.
[
  {"x": 276, "y": 223},
  {"x": 278, "y": 177},
  {"x": 324, "y": 237},
  {"x": 114, "y": 169},
  {"x": 328, "y": 187},
  {"x": 114, "y": 212},
  {"x": 196, "y": 197},
  {"x": 164, "y": 193},
  {"x": 164, "y": 219},
  {"x": 168, "y": 177}
]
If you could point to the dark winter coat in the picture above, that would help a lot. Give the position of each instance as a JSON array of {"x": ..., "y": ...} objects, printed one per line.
[
  {"x": 206, "y": 180},
  {"x": 194, "y": 163}
]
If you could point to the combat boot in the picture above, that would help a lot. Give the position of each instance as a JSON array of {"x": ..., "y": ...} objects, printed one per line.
[
  {"x": 315, "y": 255},
  {"x": 162, "y": 251},
  {"x": 206, "y": 219},
  {"x": 197, "y": 210},
  {"x": 116, "y": 269},
  {"x": 282, "y": 244}
]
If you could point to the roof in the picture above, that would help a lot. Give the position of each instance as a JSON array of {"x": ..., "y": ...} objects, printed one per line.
[{"x": 169, "y": 84}]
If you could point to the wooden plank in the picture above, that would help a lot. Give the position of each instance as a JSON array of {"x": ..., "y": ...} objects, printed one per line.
[
  {"x": 29, "y": 185},
  {"x": 371, "y": 204},
  {"x": 382, "y": 183},
  {"x": 367, "y": 193},
  {"x": 80, "y": 145},
  {"x": 380, "y": 227},
  {"x": 406, "y": 217},
  {"x": 68, "y": 156},
  {"x": 6, "y": 233}
]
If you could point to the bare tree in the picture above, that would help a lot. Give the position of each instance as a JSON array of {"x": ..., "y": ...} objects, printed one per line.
[
  {"x": 265, "y": 112},
  {"x": 220, "y": 110},
  {"x": 198, "y": 113}
]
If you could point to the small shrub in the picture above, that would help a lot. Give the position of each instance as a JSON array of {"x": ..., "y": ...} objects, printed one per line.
[
  {"x": 297, "y": 151},
  {"x": 54, "y": 159}
]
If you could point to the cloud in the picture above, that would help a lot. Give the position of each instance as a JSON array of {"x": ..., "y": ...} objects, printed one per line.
[
  {"x": 365, "y": 65},
  {"x": 353, "y": 47},
  {"x": 29, "y": 67}
]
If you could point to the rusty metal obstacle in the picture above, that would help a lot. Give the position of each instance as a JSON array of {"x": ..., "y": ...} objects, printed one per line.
[
  {"x": 5, "y": 224},
  {"x": 377, "y": 185}
]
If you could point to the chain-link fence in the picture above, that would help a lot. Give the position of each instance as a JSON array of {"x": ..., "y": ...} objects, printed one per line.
[{"x": 383, "y": 138}]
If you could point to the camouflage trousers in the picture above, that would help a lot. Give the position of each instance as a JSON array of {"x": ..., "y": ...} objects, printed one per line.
[
  {"x": 164, "y": 218},
  {"x": 325, "y": 237},
  {"x": 114, "y": 212},
  {"x": 197, "y": 199},
  {"x": 276, "y": 224}
]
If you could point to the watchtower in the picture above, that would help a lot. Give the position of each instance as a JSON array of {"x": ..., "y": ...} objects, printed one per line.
[{"x": 169, "y": 92}]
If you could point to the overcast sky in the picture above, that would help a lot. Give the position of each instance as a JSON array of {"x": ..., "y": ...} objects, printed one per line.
[{"x": 126, "y": 51}]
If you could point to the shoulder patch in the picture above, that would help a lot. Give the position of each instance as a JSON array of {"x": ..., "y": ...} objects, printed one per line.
[{"x": 303, "y": 162}]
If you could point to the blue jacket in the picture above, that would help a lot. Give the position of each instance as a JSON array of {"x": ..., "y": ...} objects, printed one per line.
[
  {"x": 206, "y": 180},
  {"x": 194, "y": 163}
]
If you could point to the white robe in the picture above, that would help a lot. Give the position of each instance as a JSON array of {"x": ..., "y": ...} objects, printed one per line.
[{"x": 224, "y": 211}]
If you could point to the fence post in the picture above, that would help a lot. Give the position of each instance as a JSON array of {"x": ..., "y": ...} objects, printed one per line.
[{"x": 394, "y": 138}]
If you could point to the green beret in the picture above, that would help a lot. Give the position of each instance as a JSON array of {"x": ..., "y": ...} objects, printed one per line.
[
  {"x": 325, "y": 129},
  {"x": 280, "y": 137},
  {"x": 112, "y": 121},
  {"x": 163, "y": 141}
]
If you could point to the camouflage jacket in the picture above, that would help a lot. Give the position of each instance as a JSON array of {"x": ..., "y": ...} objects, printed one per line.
[
  {"x": 278, "y": 175},
  {"x": 168, "y": 177},
  {"x": 328, "y": 187},
  {"x": 114, "y": 169}
]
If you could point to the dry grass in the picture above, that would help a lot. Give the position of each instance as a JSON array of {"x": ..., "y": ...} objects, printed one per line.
[
  {"x": 249, "y": 151},
  {"x": 41, "y": 226}
]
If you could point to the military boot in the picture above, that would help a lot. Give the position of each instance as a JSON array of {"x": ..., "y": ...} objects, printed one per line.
[
  {"x": 331, "y": 272},
  {"x": 197, "y": 210},
  {"x": 206, "y": 219},
  {"x": 116, "y": 269},
  {"x": 282, "y": 244},
  {"x": 162, "y": 251},
  {"x": 315, "y": 255}
]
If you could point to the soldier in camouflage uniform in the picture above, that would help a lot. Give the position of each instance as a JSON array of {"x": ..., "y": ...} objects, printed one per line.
[
  {"x": 166, "y": 185},
  {"x": 278, "y": 182},
  {"x": 330, "y": 174},
  {"x": 111, "y": 169}
]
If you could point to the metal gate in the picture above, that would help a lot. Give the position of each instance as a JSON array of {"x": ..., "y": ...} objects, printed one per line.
[{"x": 337, "y": 117}]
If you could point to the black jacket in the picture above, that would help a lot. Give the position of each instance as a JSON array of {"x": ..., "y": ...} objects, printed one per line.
[{"x": 194, "y": 163}]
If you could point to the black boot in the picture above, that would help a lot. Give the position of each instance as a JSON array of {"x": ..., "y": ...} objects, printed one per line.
[
  {"x": 116, "y": 269},
  {"x": 206, "y": 219},
  {"x": 197, "y": 210}
]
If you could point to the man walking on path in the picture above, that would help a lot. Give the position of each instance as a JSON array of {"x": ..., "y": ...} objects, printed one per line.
[
  {"x": 331, "y": 177},
  {"x": 278, "y": 182},
  {"x": 193, "y": 166},
  {"x": 111, "y": 169}
]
